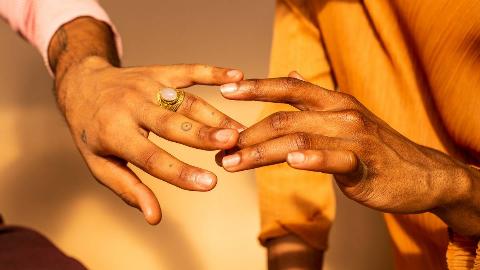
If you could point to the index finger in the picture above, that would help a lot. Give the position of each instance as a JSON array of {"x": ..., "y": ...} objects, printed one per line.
[
  {"x": 185, "y": 75},
  {"x": 300, "y": 94}
]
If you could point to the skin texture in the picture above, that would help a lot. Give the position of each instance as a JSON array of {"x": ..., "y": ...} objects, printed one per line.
[
  {"x": 111, "y": 110},
  {"x": 372, "y": 163}
]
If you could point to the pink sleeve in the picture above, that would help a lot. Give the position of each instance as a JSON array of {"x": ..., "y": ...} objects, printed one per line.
[{"x": 38, "y": 20}]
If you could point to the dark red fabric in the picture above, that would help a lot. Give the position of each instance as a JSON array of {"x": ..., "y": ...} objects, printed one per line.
[{"x": 25, "y": 249}]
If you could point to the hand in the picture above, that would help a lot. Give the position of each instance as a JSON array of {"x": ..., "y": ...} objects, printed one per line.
[
  {"x": 333, "y": 133},
  {"x": 110, "y": 112}
]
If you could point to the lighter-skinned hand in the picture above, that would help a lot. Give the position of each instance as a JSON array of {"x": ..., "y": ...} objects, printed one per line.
[{"x": 111, "y": 110}]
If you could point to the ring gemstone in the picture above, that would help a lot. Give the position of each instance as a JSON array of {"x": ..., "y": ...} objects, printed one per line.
[{"x": 168, "y": 94}]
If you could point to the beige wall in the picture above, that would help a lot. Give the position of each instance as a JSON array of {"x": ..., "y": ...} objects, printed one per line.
[{"x": 45, "y": 185}]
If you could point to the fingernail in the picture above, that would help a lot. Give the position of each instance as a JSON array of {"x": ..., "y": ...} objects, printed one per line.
[
  {"x": 234, "y": 73},
  {"x": 205, "y": 180},
  {"x": 229, "y": 88},
  {"x": 224, "y": 135},
  {"x": 240, "y": 130},
  {"x": 295, "y": 158},
  {"x": 230, "y": 161}
]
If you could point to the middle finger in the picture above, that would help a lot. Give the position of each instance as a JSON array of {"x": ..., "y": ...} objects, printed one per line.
[{"x": 178, "y": 128}]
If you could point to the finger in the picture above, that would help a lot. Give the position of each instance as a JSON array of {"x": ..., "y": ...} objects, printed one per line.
[
  {"x": 219, "y": 157},
  {"x": 178, "y": 128},
  {"x": 220, "y": 154},
  {"x": 330, "y": 124},
  {"x": 180, "y": 76},
  {"x": 192, "y": 107},
  {"x": 276, "y": 151},
  {"x": 197, "y": 109},
  {"x": 120, "y": 179},
  {"x": 326, "y": 161},
  {"x": 300, "y": 94},
  {"x": 144, "y": 154},
  {"x": 345, "y": 165},
  {"x": 296, "y": 75}
]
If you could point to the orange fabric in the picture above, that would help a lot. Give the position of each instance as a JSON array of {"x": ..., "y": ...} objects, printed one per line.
[
  {"x": 476, "y": 266},
  {"x": 415, "y": 65},
  {"x": 285, "y": 205},
  {"x": 461, "y": 252}
]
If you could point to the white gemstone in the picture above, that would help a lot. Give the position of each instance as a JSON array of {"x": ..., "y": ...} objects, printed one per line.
[{"x": 168, "y": 94}]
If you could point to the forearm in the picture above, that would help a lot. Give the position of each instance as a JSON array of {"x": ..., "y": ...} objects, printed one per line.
[
  {"x": 462, "y": 213},
  {"x": 77, "y": 40},
  {"x": 290, "y": 252}
]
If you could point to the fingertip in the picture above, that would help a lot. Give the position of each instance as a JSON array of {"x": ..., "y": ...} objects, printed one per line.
[
  {"x": 226, "y": 138},
  {"x": 228, "y": 89},
  {"x": 230, "y": 162},
  {"x": 206, "y": 181},
  {"x": 153, "y": 217},
  {"x": 235, "y": 75},
  {"x": 148, "y": 204},
  {"x": 296, "y": 158}
]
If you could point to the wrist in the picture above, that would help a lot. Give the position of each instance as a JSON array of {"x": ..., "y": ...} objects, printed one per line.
[
  {"x": 460, "y": 209},
  {"x": 88, "y": 64},
  {"x": 289, "y": 251},
  {"x": 78, "y": 40},
  {"x": 459, "y": 183}
]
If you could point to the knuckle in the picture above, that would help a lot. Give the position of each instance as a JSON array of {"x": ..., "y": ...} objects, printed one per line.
[
  {"x": 157, "y": 121},
  {"x": 190, "y": 69},
  {"x": 107, "y": 132},
  {"x": 144, "y": 82},
  {"x": 203, "y": 133},
  {"x": 185, "y": 173},
  {"x": 258, "y": 153},
  {"x": 280, "y": 120},
  {"x": 162, "y": 122},
  {"x": 356, "y": 119},
  {"x": 149, "y": 160},
  {"x": 349, "y": 101},
  {"x": 243, "y": 140},
  {"x": 289, "y": 83},
  {"x": 128, "y": 198},
  {"x": 226, "y": 122},
  {"x": 189, "y": 103},
  {"x": 148, "y": 71},
  {"x": 254, "y": 87},
  {"x": 205, "y": 68},
  {"x": 302, "y": 141}
]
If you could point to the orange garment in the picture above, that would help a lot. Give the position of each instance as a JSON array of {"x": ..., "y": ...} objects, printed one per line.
[{"x": 415, "y": 64}]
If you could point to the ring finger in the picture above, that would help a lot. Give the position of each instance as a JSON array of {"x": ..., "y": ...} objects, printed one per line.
[
  {"x": 138, "y": 150},
  {"x": 276, "y": 151}
]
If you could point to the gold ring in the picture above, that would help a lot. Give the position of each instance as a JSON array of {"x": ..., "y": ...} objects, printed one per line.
[{"x": 170, "y": 98}]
